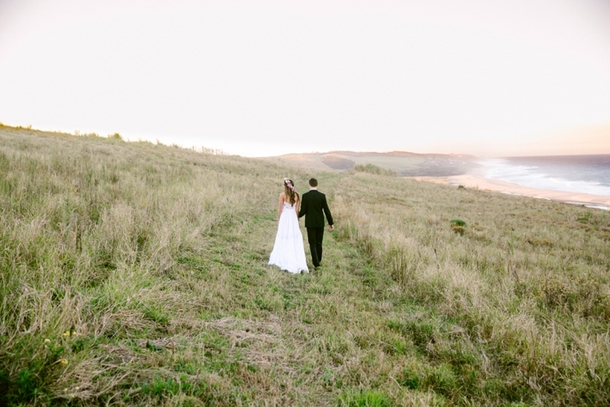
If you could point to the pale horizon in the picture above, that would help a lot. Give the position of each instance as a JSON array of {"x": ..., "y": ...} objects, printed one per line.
[
  {"x": 533, "y": 153},
  {"x": 278, "y": 77}
]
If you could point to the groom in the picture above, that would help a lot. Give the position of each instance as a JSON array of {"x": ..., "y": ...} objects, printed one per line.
[{"x": 314, "y": 207}]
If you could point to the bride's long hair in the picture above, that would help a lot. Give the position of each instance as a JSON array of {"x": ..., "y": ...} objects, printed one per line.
[{"x": 289, "y": 191}]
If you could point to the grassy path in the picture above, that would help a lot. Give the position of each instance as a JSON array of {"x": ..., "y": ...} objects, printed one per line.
[
  {"x": 281, "y": 339},
  {"x": 286, "y": 339}
]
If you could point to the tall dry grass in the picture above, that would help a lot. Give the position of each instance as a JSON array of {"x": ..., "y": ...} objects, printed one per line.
[
  {"x": 136, "y": 274},
  {"x": 513, "y": 309},
  {"x": 92, "y": 230}
]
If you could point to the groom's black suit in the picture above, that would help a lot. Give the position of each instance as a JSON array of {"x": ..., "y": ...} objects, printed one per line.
[{"x": 315, "y": 207}]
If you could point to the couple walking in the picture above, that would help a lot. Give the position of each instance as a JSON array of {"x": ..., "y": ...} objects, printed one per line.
[{"x": 288, "y": 251}]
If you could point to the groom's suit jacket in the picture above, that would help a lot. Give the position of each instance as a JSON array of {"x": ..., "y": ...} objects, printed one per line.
[{"x": 314, "y": 207}]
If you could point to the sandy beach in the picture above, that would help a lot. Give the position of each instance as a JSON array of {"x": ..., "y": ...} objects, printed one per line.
[{"x": 477, "y": 179}]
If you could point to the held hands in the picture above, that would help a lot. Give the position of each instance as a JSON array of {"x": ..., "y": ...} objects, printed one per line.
[{"x": 331, "y": 228}]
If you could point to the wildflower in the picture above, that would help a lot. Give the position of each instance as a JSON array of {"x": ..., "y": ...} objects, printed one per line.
[
  {"x": 67, "y": 333},
  {"x": 47, "y": 340},
  {"x": 63, "y": 361}
]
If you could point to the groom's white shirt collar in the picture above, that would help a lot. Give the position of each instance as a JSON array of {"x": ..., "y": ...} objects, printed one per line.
[{"x": 313, "y": 188}]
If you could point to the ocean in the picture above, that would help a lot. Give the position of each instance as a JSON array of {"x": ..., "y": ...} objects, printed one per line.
[{"x": 589, "y": 174}]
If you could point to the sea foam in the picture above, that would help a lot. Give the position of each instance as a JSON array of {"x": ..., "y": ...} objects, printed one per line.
[{"x": 579, "y": 174}]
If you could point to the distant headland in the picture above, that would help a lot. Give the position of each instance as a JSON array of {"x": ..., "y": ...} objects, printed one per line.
[{"x": 401, "y": 163}]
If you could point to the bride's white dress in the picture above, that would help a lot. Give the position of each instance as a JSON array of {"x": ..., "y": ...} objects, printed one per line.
[{"x": 288, "y": 251}]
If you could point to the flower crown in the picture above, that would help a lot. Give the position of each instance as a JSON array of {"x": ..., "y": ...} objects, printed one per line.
[{"x": 288, "y": 183}]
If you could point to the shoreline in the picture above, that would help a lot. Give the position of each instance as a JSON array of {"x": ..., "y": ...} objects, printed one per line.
[{"x": 477, "y": 180}]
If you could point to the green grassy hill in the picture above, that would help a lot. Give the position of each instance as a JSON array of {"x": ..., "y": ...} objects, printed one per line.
[{"x": 136, "y": 274}]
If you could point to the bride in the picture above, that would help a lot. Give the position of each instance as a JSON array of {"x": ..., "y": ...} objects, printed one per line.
[{"x": 288, "y": 251}]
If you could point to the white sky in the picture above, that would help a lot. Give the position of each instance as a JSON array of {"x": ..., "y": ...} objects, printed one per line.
[{"x": 267, "y": 77}]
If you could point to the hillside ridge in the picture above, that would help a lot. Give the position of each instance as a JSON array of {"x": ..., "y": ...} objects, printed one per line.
[{"x": 402, "y": 163}]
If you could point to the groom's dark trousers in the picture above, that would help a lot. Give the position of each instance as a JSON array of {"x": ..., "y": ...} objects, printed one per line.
[
  {"x": 315, "y": 237},
  {"x": 314, "y": 207}
]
